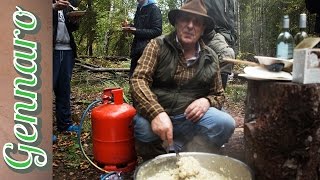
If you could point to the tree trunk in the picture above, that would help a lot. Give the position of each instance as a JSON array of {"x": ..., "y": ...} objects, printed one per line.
[{"x": 282, "y": 130}]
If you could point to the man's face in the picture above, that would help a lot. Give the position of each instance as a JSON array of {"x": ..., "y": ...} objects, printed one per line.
[{"x": 189, "y": 28}]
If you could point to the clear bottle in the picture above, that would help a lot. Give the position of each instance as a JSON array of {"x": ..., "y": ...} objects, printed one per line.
[
  {"x": 302, "y": 32},
  {"x": 285, "y": 42}
]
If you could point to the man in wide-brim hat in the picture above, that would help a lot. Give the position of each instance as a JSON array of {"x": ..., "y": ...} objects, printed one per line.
[
  {"x": 177, "y": 89},
  {"x": 193, "y": 8}
]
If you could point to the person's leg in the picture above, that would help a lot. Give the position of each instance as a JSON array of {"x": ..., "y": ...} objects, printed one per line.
[
  {"x": 142, "y": 130},
  {"x": 224, "y": 79},
  {"x": 55, "y": 76},
  {"x": 210, "y": 132},
  {"x": 148, "y": 145},
  {"x": 56, "y": 67},
  {"x": 62, "y": 88},
  {"x": 133, "y": 64},
  {"x": 216, "y": 126},
  {"x": 183, "y": 131}
]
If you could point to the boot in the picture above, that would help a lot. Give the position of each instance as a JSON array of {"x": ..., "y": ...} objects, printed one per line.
[{"x": 149, "y": 150}]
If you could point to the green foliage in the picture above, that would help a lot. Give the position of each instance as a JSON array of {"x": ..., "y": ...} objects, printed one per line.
[
  {"x": 259, "y": 23},
  {"x": 72, "y": 157},
  {"x": 101, "y": 26},
  {"x": 236, "y": 92}
]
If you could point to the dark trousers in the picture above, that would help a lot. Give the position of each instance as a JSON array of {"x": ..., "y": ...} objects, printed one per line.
[
  {"x": 134, "y": 63},
  {"x": 63, "y": 62},
  {"x": 224, "y": 78}
]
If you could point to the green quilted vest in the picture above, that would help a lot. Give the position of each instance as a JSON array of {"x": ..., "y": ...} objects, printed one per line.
[{"x": 175, "y": 98}]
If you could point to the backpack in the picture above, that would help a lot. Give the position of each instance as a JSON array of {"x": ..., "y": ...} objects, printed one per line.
[{"x": 223, "y": 14}]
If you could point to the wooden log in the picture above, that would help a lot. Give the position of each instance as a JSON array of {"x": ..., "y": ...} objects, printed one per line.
[
  {"x": 88, "y": 64},
  {"x": 109, "y": 58},
  {"x": 282, "y": 130},
  {"x": 101, "y": 69}
]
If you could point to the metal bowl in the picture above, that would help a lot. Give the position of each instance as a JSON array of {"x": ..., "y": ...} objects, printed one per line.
[
  {"x": 273, "y": 60},
  {"x": 229, "y": 167}
]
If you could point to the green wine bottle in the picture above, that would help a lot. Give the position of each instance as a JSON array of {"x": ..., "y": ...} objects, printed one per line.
[
  {"x": 302, "y": 32},
  {"x": 285, "y": 42}
]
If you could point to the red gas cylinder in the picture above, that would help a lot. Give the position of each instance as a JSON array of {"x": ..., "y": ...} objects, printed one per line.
[{"x": 112, "y": 132}]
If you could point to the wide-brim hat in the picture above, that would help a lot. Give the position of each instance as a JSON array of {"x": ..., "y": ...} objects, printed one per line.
[{"x": 196, "y": 7}]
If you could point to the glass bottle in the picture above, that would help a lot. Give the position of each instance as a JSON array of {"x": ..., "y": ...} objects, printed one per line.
[
  {"x": 302, "y": 32},
  {"x": 285, "y": 41}
]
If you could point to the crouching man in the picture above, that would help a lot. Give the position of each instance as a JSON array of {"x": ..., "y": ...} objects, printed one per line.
[{"x": 177, "y": 89}]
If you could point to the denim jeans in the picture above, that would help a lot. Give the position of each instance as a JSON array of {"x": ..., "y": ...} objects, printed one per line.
[
  {"x": 215, "y": 126},
  {"x": 63, "y": 62}
]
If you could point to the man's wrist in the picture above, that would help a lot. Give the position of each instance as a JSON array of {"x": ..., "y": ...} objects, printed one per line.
[{"x": 208, "y": 100}]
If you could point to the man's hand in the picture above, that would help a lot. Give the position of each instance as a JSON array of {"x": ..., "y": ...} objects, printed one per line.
[
  {"x": 197, "y": 109},
  {"x": 162, "y": 126},
  {"x": 60, "y": 4},
  {"x": 125, "y": 23}
]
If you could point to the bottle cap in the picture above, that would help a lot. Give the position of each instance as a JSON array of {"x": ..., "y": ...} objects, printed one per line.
[
  {"x": 286, "y": 21},
  {"x": 303, "y": 21}
]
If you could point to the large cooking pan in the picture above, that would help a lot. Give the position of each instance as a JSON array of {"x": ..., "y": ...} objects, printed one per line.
[{"x": 229, "y": 167}]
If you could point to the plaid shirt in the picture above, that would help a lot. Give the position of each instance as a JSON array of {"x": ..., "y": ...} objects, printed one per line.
[{"x": 141, "y": 81}]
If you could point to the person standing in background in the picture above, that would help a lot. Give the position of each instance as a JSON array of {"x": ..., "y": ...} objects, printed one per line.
[
  {"x": 64, "y": 53},
  {"x": 147, "y": 25},
  {"x": 313, "y": 6},
  {"x": 223, "y": 38}
]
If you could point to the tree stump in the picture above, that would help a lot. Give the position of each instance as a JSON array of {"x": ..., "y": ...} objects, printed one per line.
[{"x": 282, "y": 130}]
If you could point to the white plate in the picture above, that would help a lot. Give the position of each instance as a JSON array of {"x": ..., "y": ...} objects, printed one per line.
[
  {"x": 272, "y": 60},
  {"x": 262, "y": 79},
  {"x": 260, "y": 73}
]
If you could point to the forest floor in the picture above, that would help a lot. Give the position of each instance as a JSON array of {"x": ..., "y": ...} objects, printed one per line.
[{"x": 68, "y": 160}]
